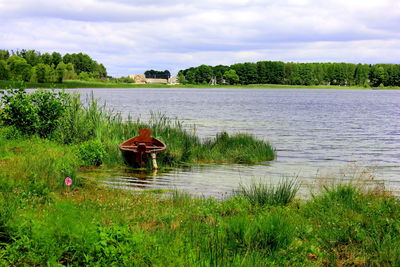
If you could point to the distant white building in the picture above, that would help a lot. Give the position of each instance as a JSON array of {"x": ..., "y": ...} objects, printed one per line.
[
  {"x": 173, "y": 80},
  {"x": 141, "y": 79}
]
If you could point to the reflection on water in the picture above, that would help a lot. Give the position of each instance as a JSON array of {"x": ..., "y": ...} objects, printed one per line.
[{"x": 317, "y": 133}]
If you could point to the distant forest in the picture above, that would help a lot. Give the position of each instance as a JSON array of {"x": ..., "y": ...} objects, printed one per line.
[
  {"x": 277, "y": 72},
  {"x": 33, "y": 66},
  {"x": 155, "y": 74}
]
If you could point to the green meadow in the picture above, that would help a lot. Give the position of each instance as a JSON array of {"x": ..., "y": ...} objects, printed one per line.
[{"x": 46, "y": 136}]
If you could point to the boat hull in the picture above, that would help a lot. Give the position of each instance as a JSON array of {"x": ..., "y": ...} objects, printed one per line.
[{"x": 136, "y": 151}]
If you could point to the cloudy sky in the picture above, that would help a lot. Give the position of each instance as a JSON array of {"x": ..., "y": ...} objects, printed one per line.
[{"x": 131, "y": 36}]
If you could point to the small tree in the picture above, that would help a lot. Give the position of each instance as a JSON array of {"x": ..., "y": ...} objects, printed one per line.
[
  {"x": 231, "y": 77},
  {"x": 70, "y": 73},
  {"x": 20, "y": 70},
  {"x": 4, "y": 73},
  {"x": 84, "y": 76},
  {"x": 181, "y": 78},
  {"x": 43, "y": 73},
  {"x": 61, "y": 71}
]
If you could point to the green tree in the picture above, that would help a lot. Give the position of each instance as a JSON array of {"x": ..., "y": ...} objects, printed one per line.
[
  {"x": 61, "y": 71},
  {"x": 4, "y": 73},
  {"x": 46, "y": 59},
  {"x": 247, "y": 72},
  {"x": 81, "y": 62},
  {"x": 204, "y": 74},
  {"x": 70, "y": 73},
  {"x": 231, "y": 77},
  {"x": 56, "y": 58},
  {"x": 274, "y": 71},
  {"x": 181, "y": 78},
  {"x": 361, "y": 74},
  {"x": 190, "y": 75},
  {"x": 33, "y": 76},
  {"x": 43, "y": 73},
  {"x": 102, "y": 71},
  {"x": 219, "y": 73},
  {"x": 32, "y": 57},
  {"x": 318, "y": 73},
  {"x": 19, "y": 68},
  {"x": 84, "y": 76},
  {"x": 4, "y": 54},
  {"x": 393, "y": 72},
  {"x": 378, "y": 75}
]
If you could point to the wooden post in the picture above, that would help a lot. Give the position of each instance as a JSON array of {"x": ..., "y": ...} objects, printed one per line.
[{"x": 154, "y": 161}]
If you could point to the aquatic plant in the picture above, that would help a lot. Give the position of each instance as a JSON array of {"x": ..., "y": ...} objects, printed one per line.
[
  {"x": 238, "y": 148},
  {"x": 267, "y": 194}
]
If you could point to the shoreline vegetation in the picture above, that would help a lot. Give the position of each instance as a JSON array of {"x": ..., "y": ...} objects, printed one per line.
[
  {"x": 76, "y": 84},
  {"x": 97, "y": 132},
  {"x": 47, "y": 136},
  {"x": 55, "y": 70}
]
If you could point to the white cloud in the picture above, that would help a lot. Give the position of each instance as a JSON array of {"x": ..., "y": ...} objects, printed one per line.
[{"x": 137, "y": 35}]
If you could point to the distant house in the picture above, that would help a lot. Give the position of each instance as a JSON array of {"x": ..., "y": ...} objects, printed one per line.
[
  {"x": 138, "y": 78},
  {"x": 156, "y": 81},
  {"x": 141, "y": 79}
]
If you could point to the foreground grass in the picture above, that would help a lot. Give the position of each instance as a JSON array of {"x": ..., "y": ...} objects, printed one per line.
[
  {"x": 44, "y": 223},
  {"x": 70, "y": 84}
]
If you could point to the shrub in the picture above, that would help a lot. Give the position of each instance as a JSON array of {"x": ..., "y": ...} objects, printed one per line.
[
  {"x": 51, "y": 107},
  {"x": 19, "y": 111},
  {"x": 36, "y": 113},
  {"x": 92, "y": 153}
]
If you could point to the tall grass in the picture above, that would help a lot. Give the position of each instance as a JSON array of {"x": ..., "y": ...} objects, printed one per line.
[{"x": 266, "y": 194}]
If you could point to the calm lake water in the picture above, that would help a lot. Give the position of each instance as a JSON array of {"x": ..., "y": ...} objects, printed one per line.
[{"x": 319, "y": 134}]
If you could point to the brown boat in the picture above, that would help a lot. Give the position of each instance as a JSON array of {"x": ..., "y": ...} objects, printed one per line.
[{"x": 136, "y": 150}]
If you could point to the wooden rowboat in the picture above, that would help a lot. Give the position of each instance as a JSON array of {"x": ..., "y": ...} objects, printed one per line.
[{"x": 136, "y": 150}]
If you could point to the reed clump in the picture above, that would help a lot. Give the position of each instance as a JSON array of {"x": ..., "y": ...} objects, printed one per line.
[{"x": 267, "y": 194}]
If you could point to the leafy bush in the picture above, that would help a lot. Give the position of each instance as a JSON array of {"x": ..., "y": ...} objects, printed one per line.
[
  {"x": 19, "y": 111},
  {"x": 35, "y": 113},
  {"x": 92, "y": 153},
  {"x": 51, "y": 107}
]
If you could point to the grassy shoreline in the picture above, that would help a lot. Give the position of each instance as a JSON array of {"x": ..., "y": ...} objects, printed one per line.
[
  {"x": 84, "y": 84},
  {"x": 44, "y": 222}
]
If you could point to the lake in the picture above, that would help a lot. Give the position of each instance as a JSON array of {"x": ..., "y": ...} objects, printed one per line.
[{"x": 319, "y": 134}]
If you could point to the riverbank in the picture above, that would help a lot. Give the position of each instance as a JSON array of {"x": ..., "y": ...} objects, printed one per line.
[
  {"x": 105, "y": 84},
  {"x": 46, "y": 222}
]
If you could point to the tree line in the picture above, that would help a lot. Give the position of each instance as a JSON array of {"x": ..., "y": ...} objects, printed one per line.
[
  {"x": 277, "y": 72},
  {"x": 156, "y": 74},
  {"x": 33, "y": 66}
]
